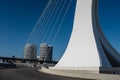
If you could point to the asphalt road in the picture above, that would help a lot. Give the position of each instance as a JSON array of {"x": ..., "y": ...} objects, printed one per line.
[{"x": 29, "y": 74}]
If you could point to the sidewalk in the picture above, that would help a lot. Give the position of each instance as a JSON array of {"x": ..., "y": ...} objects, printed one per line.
[{"x": 80, "y": 74}]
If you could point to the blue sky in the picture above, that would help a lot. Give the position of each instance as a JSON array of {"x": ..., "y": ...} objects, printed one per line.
[{"x": 18, "y": 18}]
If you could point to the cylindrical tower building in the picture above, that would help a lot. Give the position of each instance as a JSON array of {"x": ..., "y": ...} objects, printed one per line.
[
  {"x": 46, "y": 52},
  {"x": 30, "y": 51}
]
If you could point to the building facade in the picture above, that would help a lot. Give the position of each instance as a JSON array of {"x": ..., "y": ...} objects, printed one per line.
[
  {"x": 30, "y": 51},
  {"x": 46, "y": 52}
]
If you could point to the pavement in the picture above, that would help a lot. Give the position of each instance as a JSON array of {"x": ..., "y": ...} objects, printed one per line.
[
  {"x": 80, "y": 74},
  {"x": 30, "y": 74}
]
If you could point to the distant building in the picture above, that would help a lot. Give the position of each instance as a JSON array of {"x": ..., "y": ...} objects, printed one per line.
[
  {"x": 46, "y": 52},
  {"x": 30, "y": 51}
]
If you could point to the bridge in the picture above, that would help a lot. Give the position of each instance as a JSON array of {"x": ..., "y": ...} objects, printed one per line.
[
  {"x": 22, "y": 60},
  {"x": 90, "y": 54},
  {"x": 92, "y": 51}
]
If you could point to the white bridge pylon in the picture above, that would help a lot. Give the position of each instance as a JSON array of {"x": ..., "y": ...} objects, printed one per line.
[{"x": 88, "y": 49}]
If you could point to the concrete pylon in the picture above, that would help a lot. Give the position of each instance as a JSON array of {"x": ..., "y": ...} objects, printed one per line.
[{"x": 88, "y": 49}]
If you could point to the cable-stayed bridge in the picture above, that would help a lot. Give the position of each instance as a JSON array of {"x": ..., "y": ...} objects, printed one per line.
[{"x": 84, "y": 39}]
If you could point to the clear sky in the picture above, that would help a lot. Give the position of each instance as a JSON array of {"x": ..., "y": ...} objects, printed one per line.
[{"x": 18, "y": 18}]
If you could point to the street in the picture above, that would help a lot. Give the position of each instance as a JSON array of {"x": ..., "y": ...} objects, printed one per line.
[{"x": 29, "y": 74}]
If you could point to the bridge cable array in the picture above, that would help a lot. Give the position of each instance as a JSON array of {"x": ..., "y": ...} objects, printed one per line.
[
  {"x": 48, "y": 26},
  {"x": 37, "y": 26}
]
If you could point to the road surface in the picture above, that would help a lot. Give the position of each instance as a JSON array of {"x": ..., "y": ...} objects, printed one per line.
[{"x": 29, "y": 74}]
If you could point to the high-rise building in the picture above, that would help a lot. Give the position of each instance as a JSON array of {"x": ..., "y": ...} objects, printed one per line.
[
  {"x": 30, "y": 51},
  {"x": 46, "y": 52}
]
